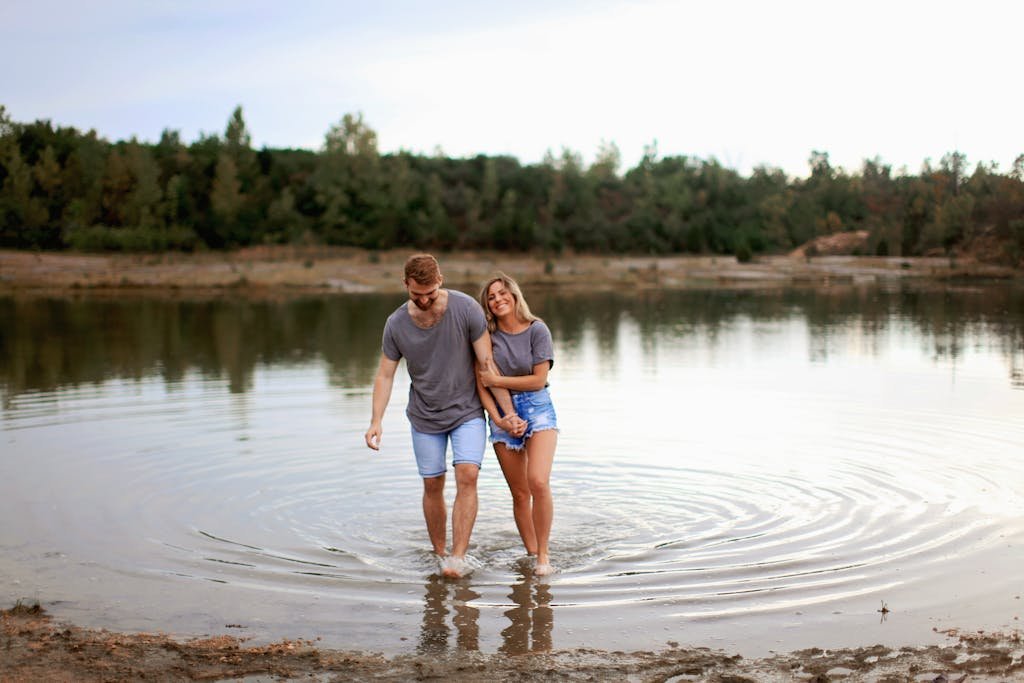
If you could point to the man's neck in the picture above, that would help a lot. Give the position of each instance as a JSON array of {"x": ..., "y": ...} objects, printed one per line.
[{"x": 430, "y": 317}]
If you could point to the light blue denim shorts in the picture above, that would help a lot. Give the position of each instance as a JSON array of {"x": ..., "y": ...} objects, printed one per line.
[
  {"x": 539, "y": 412},
  {"x": 468, "y": 442}
]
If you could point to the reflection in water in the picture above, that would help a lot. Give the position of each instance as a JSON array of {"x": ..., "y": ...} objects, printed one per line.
[
  {"x": 49, "y": 343},
  {"x": 532, "y": 618},
  {"x": 441, "y": 598}
]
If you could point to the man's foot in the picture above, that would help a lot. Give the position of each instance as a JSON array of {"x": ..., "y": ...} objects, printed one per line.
[{"x": 454, "y": 567}]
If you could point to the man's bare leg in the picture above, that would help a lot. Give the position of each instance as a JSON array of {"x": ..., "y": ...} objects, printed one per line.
[
  {"x": 435, "y": 513},
  {"x": 463, "y": 513}
]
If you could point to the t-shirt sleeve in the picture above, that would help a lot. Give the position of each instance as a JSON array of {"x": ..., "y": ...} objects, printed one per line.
[
  {"x": 540, "y": 344},
  {"x": 388, "y": 345}
]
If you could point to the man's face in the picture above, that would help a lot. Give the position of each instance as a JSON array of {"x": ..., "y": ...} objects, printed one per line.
[{"x": 423, "y": 296}]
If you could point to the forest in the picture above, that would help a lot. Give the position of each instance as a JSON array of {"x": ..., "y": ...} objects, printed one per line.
[{"x": 61, "y": 188}]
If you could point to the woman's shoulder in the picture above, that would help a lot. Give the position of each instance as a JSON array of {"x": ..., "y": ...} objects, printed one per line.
[{"x": 539, "y": 327}]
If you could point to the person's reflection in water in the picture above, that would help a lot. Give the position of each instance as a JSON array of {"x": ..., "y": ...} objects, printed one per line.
[
  {"x": 532, "y": 618},
  {"x": 441, "y": 597}
]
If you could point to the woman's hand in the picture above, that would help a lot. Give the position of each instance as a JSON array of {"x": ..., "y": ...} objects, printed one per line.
[
  {"x": 488, "y": 377},
  {"x": 513, "y": 424}
]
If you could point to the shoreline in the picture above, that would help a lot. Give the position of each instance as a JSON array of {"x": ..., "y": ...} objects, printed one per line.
[
  {"x": 36, "y": 647},
  {"x": 276, "y": 271}
]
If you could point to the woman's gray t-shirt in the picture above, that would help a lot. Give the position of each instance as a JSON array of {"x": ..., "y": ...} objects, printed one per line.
[
  {"x": 441, "y": 363},
  {"x": 516, "y": 354}
]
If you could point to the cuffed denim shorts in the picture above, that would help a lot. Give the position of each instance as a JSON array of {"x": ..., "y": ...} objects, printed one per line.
[
  {"x": 468, "y": 441},
  {"x": 539, "y": 412}
]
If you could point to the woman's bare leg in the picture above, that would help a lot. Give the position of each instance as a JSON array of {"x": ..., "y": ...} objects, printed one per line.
[
  {"x": 513, "y": 466},
  {"x": 540, "y": 453}
]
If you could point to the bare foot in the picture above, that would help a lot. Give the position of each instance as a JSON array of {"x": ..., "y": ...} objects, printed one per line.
[
  {"x": 454, "y": 567},
  {"x": 543, "y": 569},
  {"x": 444, "y": 566}
]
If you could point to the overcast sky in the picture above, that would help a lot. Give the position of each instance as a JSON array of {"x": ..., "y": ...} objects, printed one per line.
[{"x": 748, "y": 83}]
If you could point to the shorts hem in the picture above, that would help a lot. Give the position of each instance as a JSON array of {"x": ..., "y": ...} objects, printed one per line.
[
  {"x": 522, "y": 439},
  {"x": 479, "y": 465},
  {"x": 538, "y": 429},
  {"x": 513, "y": 446}
]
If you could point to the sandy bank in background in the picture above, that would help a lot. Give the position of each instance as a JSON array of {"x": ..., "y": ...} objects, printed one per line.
[{"x": 280, "y": 269}]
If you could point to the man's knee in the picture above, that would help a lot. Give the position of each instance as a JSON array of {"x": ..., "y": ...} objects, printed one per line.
[
  {"x": 466, "y": 474},
  {"x": 433, "y": 486}
]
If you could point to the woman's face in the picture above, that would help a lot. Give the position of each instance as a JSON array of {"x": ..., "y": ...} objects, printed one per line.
[{"x": 500, "y": 301}]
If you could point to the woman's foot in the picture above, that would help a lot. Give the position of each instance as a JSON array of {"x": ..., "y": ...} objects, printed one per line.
[{"x": 543, "y": 569}]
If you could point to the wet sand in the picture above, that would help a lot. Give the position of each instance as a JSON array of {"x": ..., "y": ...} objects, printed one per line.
[{"x": 36, "y": 648}]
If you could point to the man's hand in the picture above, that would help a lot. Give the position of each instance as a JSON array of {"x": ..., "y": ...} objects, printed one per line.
[
  {"x": 513, "y": 424},
  {"x": 373, "y": 435}
]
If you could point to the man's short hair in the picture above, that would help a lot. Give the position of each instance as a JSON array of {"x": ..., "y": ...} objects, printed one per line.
[{"x": 422, "y": 269}]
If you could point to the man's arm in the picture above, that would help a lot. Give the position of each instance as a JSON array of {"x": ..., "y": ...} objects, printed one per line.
[
  {"x": 482, "y": 349},
  {"x": 382, "y": 385},
  {"x": 510, "y": 422}
]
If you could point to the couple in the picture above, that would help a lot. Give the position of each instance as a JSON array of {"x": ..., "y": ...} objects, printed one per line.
[{"x": 463, "y": 358}]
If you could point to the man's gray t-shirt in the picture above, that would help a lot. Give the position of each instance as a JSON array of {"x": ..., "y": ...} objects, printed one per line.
[
  {"x": 441, "y": 363},
  {"x": 516, "y": 354}
]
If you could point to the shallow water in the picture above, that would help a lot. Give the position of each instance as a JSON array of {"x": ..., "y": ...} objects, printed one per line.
[{"x": 746, "y": 470}]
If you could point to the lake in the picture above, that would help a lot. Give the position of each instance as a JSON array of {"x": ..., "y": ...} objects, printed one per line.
[{"x": 744, "y": 470}]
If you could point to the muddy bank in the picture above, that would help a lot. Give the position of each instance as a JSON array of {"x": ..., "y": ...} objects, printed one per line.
[
  {"x": 35, "y": 648},
  {"x": 322, "y": 269}
]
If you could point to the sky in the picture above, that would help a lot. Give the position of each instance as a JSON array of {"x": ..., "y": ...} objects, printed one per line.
[{"x": 748, "y": 83}]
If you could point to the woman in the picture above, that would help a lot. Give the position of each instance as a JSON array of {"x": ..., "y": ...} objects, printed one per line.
[{"x": 522, "y": 352}]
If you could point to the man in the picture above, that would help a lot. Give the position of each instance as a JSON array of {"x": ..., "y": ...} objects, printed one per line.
[{"x": 439, "y": 332}]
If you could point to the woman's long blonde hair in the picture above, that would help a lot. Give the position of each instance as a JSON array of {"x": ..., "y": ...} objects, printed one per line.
[{"x": 522, "y": 308}]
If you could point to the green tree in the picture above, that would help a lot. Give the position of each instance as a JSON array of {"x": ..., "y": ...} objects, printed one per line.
[
  {"x": 348, "y": 183},
  {"x": 226, "y": 200},
  {"x": 24, "y": 217}
]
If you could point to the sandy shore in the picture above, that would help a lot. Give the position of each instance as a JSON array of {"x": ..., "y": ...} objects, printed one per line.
[
  {"x": 35, "y": 648},
  {"x": 280, "y": 270}
]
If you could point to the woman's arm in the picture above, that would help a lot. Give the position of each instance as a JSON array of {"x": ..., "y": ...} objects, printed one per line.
[
  {"x": 506, "y": 418},
  {"x": 532, "y": 382}
]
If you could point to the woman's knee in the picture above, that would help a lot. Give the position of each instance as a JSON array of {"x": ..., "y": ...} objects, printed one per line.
[
  {"x": 520, "y": 495},
  {"x": 539, "y": 486}
]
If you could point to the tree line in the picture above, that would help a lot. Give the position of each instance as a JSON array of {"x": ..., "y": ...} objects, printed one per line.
[{"x": 61, "y": 188}]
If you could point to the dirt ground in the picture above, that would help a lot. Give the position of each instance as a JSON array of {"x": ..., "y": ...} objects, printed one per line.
[
  {"x": 275, "y": 271},
  {"x": 35, "y": 648}
]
